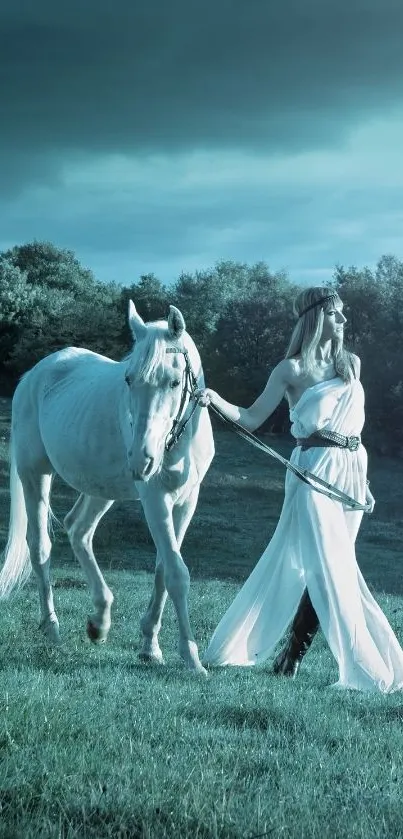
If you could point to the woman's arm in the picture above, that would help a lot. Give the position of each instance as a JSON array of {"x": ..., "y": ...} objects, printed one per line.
[
  {"x": 251, "y": 418},
  {"x": 369, "y": 499}
]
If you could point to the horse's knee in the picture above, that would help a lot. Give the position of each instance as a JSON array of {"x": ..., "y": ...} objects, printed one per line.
[
  {"x": 176, "y": 576},
  {"x": 40, "y": 547},
  {"x": 77, "y": 534},
  {"x": 72, "y": 516}
]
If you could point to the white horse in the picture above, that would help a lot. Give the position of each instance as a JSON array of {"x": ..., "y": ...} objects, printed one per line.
[{"x": 112, "y": 430}]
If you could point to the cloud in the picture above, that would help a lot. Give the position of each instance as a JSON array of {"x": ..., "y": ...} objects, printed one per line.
[
  {"x": 158, "y": 78},
  {"x": 166, "y": 213}
]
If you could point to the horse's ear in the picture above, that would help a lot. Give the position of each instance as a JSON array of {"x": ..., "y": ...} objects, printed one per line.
[
  {"x": 176, "y": 322},
  {"x": 136, "y": 323}
]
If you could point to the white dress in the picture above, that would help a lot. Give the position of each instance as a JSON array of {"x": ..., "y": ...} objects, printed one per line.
[{"x": 313, "y": 546}]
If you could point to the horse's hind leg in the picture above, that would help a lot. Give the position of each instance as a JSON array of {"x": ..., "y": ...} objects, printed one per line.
[
  {"x": 36, "y": 492},
  {"x": 81, "y": 523}
]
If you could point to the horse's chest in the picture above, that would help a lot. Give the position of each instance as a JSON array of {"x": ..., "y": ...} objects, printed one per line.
[{"x": 180, "y": 477}]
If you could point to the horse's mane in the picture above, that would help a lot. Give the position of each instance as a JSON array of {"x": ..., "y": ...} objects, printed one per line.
[{"x": 149, "y": 354}]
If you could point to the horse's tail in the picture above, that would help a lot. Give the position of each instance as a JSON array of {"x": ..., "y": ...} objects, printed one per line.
[{"x": 17, "y": 565}]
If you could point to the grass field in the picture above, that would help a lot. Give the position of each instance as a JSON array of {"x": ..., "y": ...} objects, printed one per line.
[{"x": 94, "y": 744}]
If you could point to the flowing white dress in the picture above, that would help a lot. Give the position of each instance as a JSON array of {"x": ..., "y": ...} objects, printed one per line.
[{"x": 313, "y": 546}]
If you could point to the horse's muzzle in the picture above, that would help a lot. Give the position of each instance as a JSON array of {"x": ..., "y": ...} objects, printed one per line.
[{"x": 143, "y": 465}]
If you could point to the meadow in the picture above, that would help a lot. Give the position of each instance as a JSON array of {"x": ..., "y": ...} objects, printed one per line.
[{"x": 95, "y": 744}]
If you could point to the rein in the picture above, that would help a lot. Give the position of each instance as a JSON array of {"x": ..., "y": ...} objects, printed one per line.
[
  {"x": 307, "y": 477},
  {"x": 189, "y": 388}
]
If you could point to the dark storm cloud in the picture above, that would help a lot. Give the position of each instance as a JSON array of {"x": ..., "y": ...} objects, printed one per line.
[{"x": 157, "y": 76}]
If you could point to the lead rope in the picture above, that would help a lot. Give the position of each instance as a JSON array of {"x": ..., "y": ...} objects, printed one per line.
[{"x": 307, "y": 477}]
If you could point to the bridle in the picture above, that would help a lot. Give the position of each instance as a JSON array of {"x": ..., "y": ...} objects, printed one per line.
[{"x": 189, "y": 388}]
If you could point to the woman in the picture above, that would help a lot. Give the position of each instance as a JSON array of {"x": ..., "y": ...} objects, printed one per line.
[{"x": 311, "y": 553}]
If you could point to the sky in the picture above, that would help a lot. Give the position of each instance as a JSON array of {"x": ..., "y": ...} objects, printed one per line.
[{"x": 162, "y": 136}]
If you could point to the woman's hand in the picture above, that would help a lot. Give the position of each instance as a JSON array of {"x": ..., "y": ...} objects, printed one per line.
[
  {"x": 204, "y": 396},
  {"x": 370, "y": 500}
]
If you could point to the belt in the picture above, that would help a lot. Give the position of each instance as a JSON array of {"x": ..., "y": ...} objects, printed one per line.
[{"x": 329, "y": 438}]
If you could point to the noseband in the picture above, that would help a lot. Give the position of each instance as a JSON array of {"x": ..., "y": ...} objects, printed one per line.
[{"x": 189, "y": 388}]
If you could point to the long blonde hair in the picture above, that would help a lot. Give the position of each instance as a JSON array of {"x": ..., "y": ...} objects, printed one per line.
[{"x": 308, "y": 330}]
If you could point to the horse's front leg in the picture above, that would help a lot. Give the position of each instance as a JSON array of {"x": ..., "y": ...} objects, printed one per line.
[
  {"x": 167, "y": 526},
  {"x": 150, "y": 623}
]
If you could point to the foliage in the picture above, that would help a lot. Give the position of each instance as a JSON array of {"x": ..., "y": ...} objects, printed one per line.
[
  {"x": 48, "y": 301},
  {"x": 151, "y": 299},
  {"x": 240, "y": 317},
  {"x": 51, "y": 267},
  {"x": 18, "y": 302},
  {"x": 250, "y": 338},
  {"x": 374, "y": 309},
  {"x": 204, "y": 296}
]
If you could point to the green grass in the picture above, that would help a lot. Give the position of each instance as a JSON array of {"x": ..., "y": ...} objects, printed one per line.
[{"x": 94, "y": 744}]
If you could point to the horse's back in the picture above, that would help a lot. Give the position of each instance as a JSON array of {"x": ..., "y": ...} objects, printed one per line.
[
  {"x": 27, "y": 401},
  {"x": 58, "y": 383},
  {"x": 69, "y": 365},
  {"x": 66, "y": 412}
]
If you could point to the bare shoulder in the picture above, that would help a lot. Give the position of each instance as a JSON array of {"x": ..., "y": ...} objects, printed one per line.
[{"x": 285, "y": 372}]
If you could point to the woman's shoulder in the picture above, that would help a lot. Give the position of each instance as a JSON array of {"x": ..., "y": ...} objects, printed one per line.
[
  {"x": 289, "y": 369},
  {"x": 293, "y": 368}
]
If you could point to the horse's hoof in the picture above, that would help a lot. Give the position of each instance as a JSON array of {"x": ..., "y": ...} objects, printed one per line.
[
  {"x": 147, "y": 658},
  {"x": 94, "y": 633},
  {"x": 190, "y": 656},
  {"x": 50, "y": 629},
  {"x": 200, "y": 673}
]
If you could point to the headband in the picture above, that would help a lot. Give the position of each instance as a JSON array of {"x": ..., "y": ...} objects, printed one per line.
[{"x": 317, "y": 303}]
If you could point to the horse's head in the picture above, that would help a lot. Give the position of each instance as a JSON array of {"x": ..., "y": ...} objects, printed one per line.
[{"x": 156, "y": 380}]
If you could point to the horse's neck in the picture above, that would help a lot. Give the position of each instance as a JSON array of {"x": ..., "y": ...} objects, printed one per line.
[{"x": 190, "y": 457}]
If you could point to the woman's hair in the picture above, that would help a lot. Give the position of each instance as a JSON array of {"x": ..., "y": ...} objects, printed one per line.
[{"x": 308, "y": 330}]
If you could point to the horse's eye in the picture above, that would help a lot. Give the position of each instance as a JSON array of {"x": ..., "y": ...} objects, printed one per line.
[
  {"x": 127, "y": 379},
  {"x": 175, "y": 383}
]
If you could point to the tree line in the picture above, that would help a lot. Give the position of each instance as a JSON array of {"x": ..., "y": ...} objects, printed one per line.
[{"x": 240, "y": 317}]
